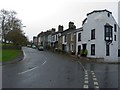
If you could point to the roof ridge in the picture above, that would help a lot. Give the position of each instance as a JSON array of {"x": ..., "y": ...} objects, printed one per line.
[{"x": 99, "y": 11}]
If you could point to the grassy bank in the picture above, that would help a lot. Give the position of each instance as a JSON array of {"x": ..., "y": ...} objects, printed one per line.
[
  {"x": 8, "y": 55},
  {"x": 9, "y": 52}
]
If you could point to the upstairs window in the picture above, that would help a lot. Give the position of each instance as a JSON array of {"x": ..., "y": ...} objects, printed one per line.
[
  {"x": 92, "y": 34},
  {"x": 114, "y": 37},
  {"x": 115, "y": 28},
  {"x": 79, "y": 36},
  {"x": 56, "y": 37},
  {"x": 53, "y": 38},
  {"x": 65, "y": 38},
  {"x": 108, "y": 14},
  {"x": 108, "y": 33},
  {"x": 72, "y": 35}
]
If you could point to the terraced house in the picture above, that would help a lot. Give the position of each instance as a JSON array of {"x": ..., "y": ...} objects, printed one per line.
[
  {"x": 44, "y": 38},
  {"x": 67, "y": 39},
  {"x": 100, "y": 35},
  {"x": 55, "y": 38}
]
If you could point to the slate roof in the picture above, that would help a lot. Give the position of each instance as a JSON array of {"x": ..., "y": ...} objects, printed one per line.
[{"x": 99, "y": 11}]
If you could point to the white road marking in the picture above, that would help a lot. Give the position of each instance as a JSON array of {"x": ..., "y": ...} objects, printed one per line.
[
  {"x": 28, "y": 70},
  {"x": 86, "y": 82},
  {"x": 85, "y": 86},
  {"x": 44, "y": 62},
  {"x": 96, "y": 87},
  {"x": 91, "y": 71},
  {"x": 86, "y": 78},
  {"x": 95, "y": 83},
  {"x": 94, "y": 78},
  {"x": 86, "y": 73}
]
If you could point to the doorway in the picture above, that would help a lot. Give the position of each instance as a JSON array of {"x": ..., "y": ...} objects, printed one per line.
[{"x": 84, "y": 46}]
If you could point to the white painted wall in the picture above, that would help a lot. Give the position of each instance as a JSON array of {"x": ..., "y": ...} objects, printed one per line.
[
  {"x": 119, "y": 37},
  {"x": 39, "y": 41},
  {"x": 49, "y": 39},
  {"x": 55, "y": 38},
  {"x": 97, "y": 21}
]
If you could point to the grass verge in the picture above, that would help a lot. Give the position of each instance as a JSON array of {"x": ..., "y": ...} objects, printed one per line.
[{"x": 9, "y": 54}]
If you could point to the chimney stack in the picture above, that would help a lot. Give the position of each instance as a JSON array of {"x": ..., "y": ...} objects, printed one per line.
[{"x": 60, "y": 28}]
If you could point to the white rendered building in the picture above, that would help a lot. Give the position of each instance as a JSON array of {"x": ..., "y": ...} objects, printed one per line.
[{"x": 99, "y": 35}]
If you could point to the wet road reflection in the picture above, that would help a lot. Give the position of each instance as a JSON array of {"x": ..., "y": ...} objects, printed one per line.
[{"x": 107, "y": 74}]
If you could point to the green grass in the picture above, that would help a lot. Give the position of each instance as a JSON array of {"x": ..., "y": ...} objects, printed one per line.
[{"x": 8, "y": 54}]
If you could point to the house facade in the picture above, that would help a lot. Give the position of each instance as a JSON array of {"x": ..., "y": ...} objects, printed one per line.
[
  {"x": 55, "y": 38},
  {"x": 67, "y": 39},
  {"x": 35, "y": 41},
  {"x": 99, "y": 35},
  {"x": 40, "y": 38},
  {"x": 44, "y": 39}
]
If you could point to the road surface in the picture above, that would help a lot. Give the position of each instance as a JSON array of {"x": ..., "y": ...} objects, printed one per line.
[{"x": 44, "y": 69}]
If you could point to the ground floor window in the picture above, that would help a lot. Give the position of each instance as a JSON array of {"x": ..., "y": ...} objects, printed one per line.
[
  {"x": 72, "y": 47},
  {"x": 92, "y": 49},
  {"x": 118, "y": 52},
  {"x": 79, "y": 49},
  {"x": 107, "y": 50}
]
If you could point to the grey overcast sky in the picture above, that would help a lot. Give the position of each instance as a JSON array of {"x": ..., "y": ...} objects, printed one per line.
[{"x": 42, "y": 15}]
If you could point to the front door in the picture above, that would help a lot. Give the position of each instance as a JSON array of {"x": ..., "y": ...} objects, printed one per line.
[
  {"x": 84, "y": 46},
  {"x": 79, "y": 49}
]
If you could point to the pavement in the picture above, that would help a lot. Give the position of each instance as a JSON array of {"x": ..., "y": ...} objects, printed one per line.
[
  {"x": 94, "y": 60},
  {"x": 45, "y": 69}
]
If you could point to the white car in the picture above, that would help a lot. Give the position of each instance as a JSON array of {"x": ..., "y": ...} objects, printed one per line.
[
  {"x": 33, "y": 46},
  {"x": 40, "y": 48}
]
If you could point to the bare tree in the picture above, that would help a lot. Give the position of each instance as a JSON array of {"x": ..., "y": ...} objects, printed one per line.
[
  {"x": 3, "y": 19},
  {"x": 9, "y": 22}
]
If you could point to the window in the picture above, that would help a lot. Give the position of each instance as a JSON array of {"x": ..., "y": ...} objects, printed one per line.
[
  {"x": 56, "y": 37},
  {"x": 108, "y": 33},
  {"x": 79, "y": 36},
  {"x": 107, "y": 50},
  {"x": 114, "y": 37},
  {"x": 65, "y": 38},
  {"x": 108, "y": 14},
  {"x": 72, "y": 36},
  {"x": 92, "y": 34},
  {"x": 53, "y": 38},
  {"x": 118, "y": 52},
  {"x": 92, "y": 49},
  {"x": 79, "y": 49},
  {"x": 72, "y": 47},
  {"x": 115, "y": 28}
]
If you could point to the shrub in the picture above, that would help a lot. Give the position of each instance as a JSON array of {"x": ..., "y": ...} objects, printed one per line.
[{"x": 84, "y": 53}]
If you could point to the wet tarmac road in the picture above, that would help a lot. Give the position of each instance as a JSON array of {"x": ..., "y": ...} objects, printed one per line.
[{"x": 42, "y": 69}]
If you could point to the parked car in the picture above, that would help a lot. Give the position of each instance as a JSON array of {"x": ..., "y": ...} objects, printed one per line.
[
  {"x": 40, "y": 48},
  {"x": 28, "y": 45},
  {"x": 33, "y": 46}
]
